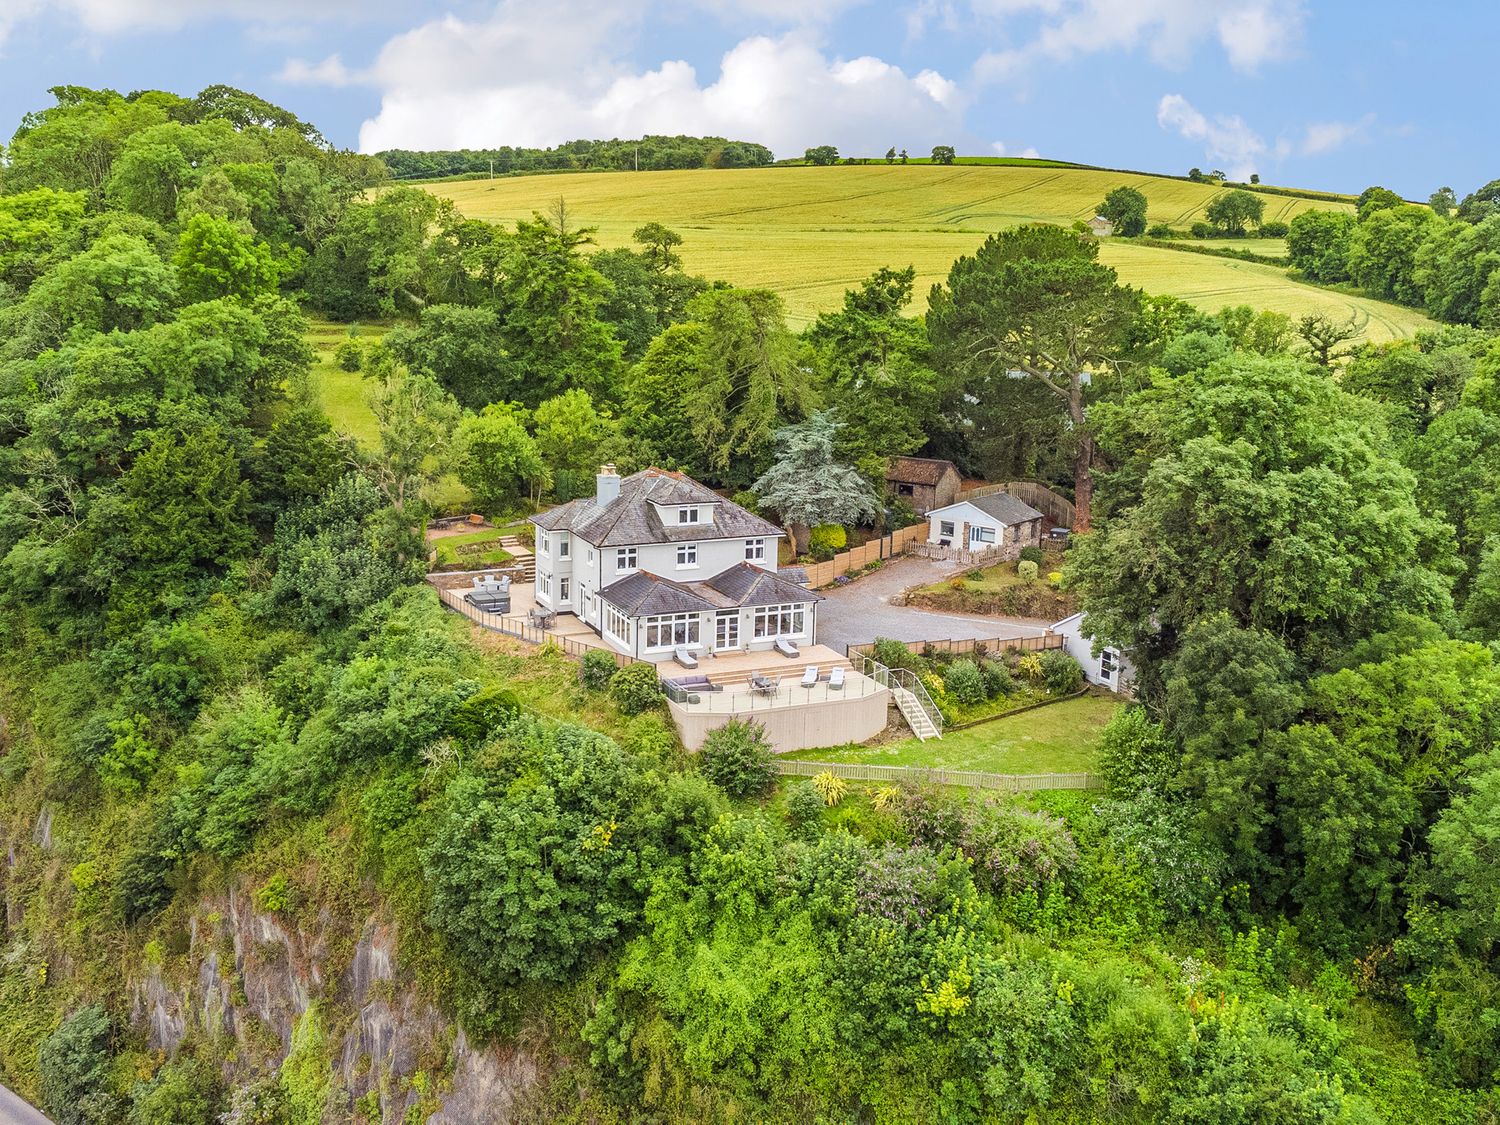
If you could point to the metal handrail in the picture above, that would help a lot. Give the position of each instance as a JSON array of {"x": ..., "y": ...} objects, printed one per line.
[{"x": 907, "y": 680}]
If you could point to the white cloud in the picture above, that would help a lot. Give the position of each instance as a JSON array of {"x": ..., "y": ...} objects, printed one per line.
[
  {"x": 531, "y": 77},
  {"x": 1250, "y": 32},
  {"x": 1327, "y": 136},
  {"x": 999, "y": 148},
  {"x": 330, "y": 72},
  {"x": 1226, "y": 140}
]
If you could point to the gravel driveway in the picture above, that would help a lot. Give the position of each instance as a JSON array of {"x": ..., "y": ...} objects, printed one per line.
[{"x": 862, "y": 611}]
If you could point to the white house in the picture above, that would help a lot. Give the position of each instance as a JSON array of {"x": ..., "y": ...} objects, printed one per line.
[
  {"x": 984, "y": 522},
  {"x": 656, "y": 561},
  {"x": 1109, "y": 669},
  {"x": 1100, "y": 227}
]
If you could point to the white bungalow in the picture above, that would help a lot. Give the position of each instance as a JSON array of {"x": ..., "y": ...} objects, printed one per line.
[{"x": 1110, "y": 668}]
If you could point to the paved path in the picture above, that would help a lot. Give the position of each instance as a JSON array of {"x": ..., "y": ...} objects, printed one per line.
[
  {"x": 862, "y": 611},
  {"x": 15, "y": 1111}
]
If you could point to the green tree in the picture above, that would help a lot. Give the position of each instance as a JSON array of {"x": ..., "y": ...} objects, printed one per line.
[
  {"x": 1383, "y": 252},
  {"x": 415, "y": 419},
  {"x": 1318, "y": 244},
  {"x": 890, "y": 155},
  {"x": 33, "y": 226},
  {"x": 572, "y": 436},
  {"x": 822, "y": 154},
  {"x": 943, "y": 154},
  {"x": 659, "y": 246},
  {"x": 118, "y": 283},
  {"x": 464, "y": 350},
  {"x": 750, "y": 378},
  {"x": 1232, "y": 211},
  {"x": 551, "y": 296},
  {"x": 1126, "y": 208},
  {"x": 1443, "y": 202},
  {"x": 1374, "y": 199},
  {"x": 1323, "y": 337},
  {"x": 1034, "y": 300},
  {"x": 497, "y": 459},
  {"x": 882, "y": 387},
  {"x": 528, "y": 882},
  {"x": 1310, "y": 532},
  {"x": 1480, "y": 203},
  {"x": 806, "y": 486},
  {"x": 659, "y": 392},
  {"x": 215, "y": 260}
]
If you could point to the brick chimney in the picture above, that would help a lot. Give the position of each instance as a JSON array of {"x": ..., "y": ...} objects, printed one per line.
[{"x": 606, "y": 485}]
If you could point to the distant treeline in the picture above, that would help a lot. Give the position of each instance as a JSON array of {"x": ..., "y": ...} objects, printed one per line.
[{"x": 652, "y": 153}]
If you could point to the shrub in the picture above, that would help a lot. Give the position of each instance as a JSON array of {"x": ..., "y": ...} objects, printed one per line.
[
  {"x": 1061, "y": 672},
  {"x": 975, "y": 575},
  {"x": 477, "y": 717},
  {"x": 1274, "y": 229},
  {"x": 997, "y": 678},
  {"x": 1031, "y": 666},
  {"x": 1160, "y": 230},
  {"x": 1135, "y": 753},
  {"x": 634, "y": 689},
  {"x": 1027, "y": 570},
  {"x": 597, "y": 669},
  {"x": 73, "y": 1070},
  {"x": 274, "y": 895},
  {"x": 804, "y": 810},
  {"x": 827, "y": 539},
  {"x": 737, "y": 757},
  {"x": 830, "y": 787},
  {"x": 964, "y": 682},
  {"x": 957, "y": 584},
  {"x": 1054, "y": 579},
  {"x": 895, "y": 654},
  {"x": 185, "y": 1091},
  {"x": 349, "y": 356},
  {"x": 1032, "y": 554},
  {"x": 1201, "y": 230}
]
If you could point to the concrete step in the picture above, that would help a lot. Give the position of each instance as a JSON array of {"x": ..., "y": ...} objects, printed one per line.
[{"x": 916, "y": 717}]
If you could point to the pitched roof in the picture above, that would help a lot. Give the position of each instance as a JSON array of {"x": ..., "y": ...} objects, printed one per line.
[
  {"x": 917, "y": 470},
  {"x": 747, "y": 584},
  {"x": 1006, "y": 508},
  {"x": 642, "y": 594},
  {"x": 1002, "y": 506},
  {"x": 631, "y": 518}
]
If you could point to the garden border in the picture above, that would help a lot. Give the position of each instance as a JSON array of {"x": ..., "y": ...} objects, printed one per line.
[
  {"x": 1018, "y": 711},
  {"x": 973, "y": 779}
]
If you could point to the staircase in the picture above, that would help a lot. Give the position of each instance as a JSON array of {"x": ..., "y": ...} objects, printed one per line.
[
  {"x": 525, "y": 561},
  {"x": 911, "y": 710}
]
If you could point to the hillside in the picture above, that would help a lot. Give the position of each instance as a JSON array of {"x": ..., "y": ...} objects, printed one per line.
[{"x": 812, "y": 233}]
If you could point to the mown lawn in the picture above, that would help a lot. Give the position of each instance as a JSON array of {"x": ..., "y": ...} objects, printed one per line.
[
  {"x": 1060, "y": 738},
  {"x": 342, "y": 393},
  {"x": 448, "y": 553}
]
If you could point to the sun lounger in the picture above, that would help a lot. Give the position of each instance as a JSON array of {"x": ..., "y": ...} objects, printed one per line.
[
  {"x": 787, "y": 648},
  {"x": 836, "y": 679},
  {"x": 810, "y": 675},
  {"x": 684, "y": 657}
]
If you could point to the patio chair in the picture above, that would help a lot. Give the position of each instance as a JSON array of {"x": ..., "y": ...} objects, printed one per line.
[
  {"x": 810, "y": 676},
  {"x": 787, "y": 648},
  {"x": 836, "y": 679},
  {"x": 684, "y": 657}
]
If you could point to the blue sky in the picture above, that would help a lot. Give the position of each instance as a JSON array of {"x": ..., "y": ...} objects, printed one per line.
[{"x": 1313, "y": 94}]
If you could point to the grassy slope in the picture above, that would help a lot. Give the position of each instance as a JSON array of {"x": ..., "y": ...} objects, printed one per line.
[
  {"x": 812, "y": 233},
  {"x": 1059, "y": 738},
  {"x": 342, "y": 393}
]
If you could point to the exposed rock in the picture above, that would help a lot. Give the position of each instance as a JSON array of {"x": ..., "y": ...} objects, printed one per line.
[
  {"x": 389, "y": 1033},
  {"x": 41, "y": 835}
]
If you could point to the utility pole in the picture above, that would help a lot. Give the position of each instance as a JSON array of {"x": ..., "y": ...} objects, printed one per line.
[
  {"x": 637, "y": 158},
  {"x": 492, "y": 169}
]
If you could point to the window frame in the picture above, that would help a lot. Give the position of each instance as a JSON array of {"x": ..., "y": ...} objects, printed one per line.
[
  {"x": 688, "y": 552},
  {"x": 789, "y": 619},
  {"x": 755, "y": 550},
  {"x": 631, "y": 560},
  {"x": 690, "y": 624}
]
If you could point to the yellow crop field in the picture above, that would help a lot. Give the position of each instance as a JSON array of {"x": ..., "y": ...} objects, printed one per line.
[{"x": 812, "y": 233}]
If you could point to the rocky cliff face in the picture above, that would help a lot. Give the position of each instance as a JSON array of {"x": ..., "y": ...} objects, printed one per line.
[{"x": 250, "y": 975}]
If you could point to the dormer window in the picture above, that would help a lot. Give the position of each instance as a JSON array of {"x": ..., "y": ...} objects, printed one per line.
[{"x": 687, "y": 515}]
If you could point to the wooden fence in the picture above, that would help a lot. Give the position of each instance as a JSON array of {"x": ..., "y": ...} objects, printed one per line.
[
  {"x": 524, "y": 629},
  {"x": 1058, "y": 509},
  {"x": 969, "y": 644},
  {"x": 969, "y": 779},
  {"x": 887, "y": 546}
]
